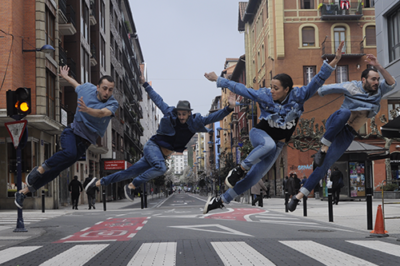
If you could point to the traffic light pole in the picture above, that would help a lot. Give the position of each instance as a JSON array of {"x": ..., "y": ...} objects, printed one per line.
[{"x": 20, "y": 220}]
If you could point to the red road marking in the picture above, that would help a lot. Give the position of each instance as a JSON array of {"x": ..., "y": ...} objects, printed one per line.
[
  {"x": 116, "y": 229},
  {"x": 237, "y": 214}
]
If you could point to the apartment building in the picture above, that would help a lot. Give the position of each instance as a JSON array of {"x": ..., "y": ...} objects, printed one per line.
[{"x": 88, "y": 36}]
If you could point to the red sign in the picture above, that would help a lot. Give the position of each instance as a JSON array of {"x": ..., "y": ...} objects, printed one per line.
[
  {"x": 117, "y": 229},
  {"x": 114, "y": 165}
]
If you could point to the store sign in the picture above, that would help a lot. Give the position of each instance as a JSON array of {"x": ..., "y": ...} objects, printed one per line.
[{"x": 115, "y": 165}]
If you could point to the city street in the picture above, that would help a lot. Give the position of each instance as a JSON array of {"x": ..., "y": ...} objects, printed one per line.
[{"x": 173, "y": 231}]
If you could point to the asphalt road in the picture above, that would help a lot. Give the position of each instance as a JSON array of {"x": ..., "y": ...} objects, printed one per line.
[{"x": 173, "y": 231}]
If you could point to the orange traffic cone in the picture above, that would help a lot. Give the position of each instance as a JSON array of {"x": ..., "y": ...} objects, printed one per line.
[{"x": 379, "y": 229}]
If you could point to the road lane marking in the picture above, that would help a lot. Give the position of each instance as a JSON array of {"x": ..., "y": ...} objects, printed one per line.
[
  {"x": 239, "y": 253},
  {"x": 224, "y": 229},
  {"x": 381, "y": 246},
  {"x": 324, "y": 254},
  {"x": 14, "y": 252},
  {"x": 160, "y": 254}
]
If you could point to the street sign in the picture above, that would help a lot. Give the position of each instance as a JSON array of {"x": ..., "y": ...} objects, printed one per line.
[{"x": 16, "y": 129}]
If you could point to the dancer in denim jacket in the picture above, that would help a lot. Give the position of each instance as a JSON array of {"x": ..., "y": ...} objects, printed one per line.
[
  {"x": 281, "y": 106},
  {"x": 362, "y": 101},
  {"x": 176, "y": 129}
]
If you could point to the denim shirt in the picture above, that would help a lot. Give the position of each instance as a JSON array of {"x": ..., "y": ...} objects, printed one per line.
[
  {"x": 356, "y": 98},
  {"x": 196, "y": 122},
  {"x": 293, "y": 105}
]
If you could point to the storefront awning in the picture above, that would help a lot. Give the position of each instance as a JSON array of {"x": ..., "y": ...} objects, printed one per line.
[
  {"x": 363, "y": 151},
  {"x": 391, "y": 129}
]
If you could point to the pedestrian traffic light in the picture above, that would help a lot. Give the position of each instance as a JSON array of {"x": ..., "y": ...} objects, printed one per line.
[{"x": 18, "y": 102}]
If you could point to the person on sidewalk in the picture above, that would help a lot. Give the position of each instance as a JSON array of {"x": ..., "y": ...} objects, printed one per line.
[
  {"x": 281, "y": 106},
  {"x": 75, "y": 188},
  {"x": 96, "y": 107},
  {"x": 256, "y": 192},
  {"x": 91, "y": 193},
  {"x": 337, "y": 181},
  {"x": 362, "y": 101},
  {"x": 176, "y": 129}
]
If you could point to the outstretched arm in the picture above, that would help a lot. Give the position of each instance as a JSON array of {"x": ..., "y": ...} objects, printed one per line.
[
  {"x": 154, "y": 96},
  {"x": 373, "y": 61},
  {"x": 93, "y": 112},
  {"x": 64, "y": 74},
  {"x": 219, "y": 115},
  {"x": 234, "y": 87}
]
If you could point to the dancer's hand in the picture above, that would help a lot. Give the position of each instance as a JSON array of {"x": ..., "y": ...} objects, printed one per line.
[
  {"x": 232, "y": 100},
  {"x": 211, "y": 76},
  {"x": 338, "y": 56}
]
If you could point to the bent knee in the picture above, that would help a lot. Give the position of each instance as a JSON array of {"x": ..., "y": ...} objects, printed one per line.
[{"x": 160, "y": 166}]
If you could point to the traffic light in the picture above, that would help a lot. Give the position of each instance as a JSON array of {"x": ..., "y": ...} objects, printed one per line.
[{"x": 19, "y": 102}]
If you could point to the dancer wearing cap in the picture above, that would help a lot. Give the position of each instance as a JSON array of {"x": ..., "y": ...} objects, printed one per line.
[{"x": 176, "y": 129}]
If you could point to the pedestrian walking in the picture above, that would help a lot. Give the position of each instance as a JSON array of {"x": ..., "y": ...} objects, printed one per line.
[
  {"x": 177, "y": 127},
  {"x": 91, "y": 193},
  {"x": 337, "y": 184},
  {"x": 362, "y": 101},
  {"x": 281, "y": 106},
  {"x": 96, "y": 107},
  {"x": 75, "y": 188},
  {"x": 256, "y": 192}
]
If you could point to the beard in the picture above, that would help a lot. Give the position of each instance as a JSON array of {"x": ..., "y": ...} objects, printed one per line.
[{"x": 369, "y": 88}]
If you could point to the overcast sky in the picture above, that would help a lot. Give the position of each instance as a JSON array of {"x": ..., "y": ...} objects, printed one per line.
[{"x": 183, "y": 39}]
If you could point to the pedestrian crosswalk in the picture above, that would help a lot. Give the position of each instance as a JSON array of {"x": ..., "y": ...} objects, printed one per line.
[
  {"x": 9, "y": 218},
  {"x": 229, "y": 252}
]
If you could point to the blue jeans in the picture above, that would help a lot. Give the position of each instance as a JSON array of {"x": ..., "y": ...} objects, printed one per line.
[
  {"x": 150, "y": 166},
  {"x": 73, "y": 147},
  {"x": 340, "y": 135},
  {"x": 259, "y": 161}
]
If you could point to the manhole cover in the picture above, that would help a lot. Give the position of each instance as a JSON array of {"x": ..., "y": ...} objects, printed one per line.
[{"x": 316, "y": 230}]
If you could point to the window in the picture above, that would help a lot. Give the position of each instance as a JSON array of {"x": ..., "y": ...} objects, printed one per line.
[
  {"x": 369, "y": 3},
  {"x": 103, "y": 53},
  {"x": 308, "y": 36},
  {"x": 393, "y": 109},
  {"x": 370, "y": 36},
  {"x": 49, "y": 32},
  {"x": 102, "y": 15},
  {"x": 307, "y": 4},
  {"x": 50, "y": 94},
  {"x": 85, "y": 66},
  {"x": 309, "y": 73},
  {"x": 342, "y": 74},
  {"x": 85, "y": 20},
  {"x": 394, "y": 35},
  {"x": 339, "y": 36}
]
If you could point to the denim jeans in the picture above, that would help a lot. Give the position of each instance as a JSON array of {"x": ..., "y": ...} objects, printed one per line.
[
  {"x": 343, "y": 135},
  {"x": 73, "y": 147},
  {"x": 150, "y": 166},
  {"x": 260, "y": 159}
]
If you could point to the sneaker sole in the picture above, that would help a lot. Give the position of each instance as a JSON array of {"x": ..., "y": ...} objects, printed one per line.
[
  {"x": 226, "y": 179},
  {"x": 127, "y": 196},
  {"x": 205, "y": 210},
  {"x": 15, "y": 202},
  {"x": 27, "y": 177},
  {"x": 90, "y": 184}
]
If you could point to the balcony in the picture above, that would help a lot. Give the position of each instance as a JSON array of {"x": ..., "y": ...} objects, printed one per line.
[
  {"x": 93, "y": 61},
  {"x": 68, "y": 28},
  {"x": 235, "y": 118},
  {"x": 92, "y": 16},
  {"x": 62, "y": 11},
  {"x": 334, "y": 12},
  {"x": 351, "y": 49}
]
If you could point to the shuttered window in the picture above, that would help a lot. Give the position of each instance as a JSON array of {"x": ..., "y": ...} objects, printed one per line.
[
  {"x": 370, "y": 36},
  {"x": 308, "y": 37}
]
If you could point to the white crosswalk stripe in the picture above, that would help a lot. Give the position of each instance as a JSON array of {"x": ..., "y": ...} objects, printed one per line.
[
  {"x": 381, "y": 246},
  {"x": 77, "y": 255},
  {"x": 157, "y": 254},
  {"x": 324, "y": 254},
  {"x": 15, "y": 252},
  {"x": 10, "y": 217},
  {"x": 229, "y": 252},
  {"x": 239, "y": 253}
]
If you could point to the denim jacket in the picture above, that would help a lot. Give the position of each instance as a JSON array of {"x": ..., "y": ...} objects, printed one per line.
[
  {"x": 356, "y": 98},
  {"x": 196, "y": 122},
  {"x": 291, "y": 108}
]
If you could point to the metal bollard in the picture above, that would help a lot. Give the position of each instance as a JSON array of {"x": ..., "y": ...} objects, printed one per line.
[
  {"x": 43, "y": 201},
  {"x": 305, "y": 206},
  {"x": 104, "y": 200},
  {"x": 141, "y": 201},
  {"x": 330, "y": 208},
  {"x": 369, "y": 208},
  {"x": 286, "y": 201},
  {"x": 260, "y": 202}
]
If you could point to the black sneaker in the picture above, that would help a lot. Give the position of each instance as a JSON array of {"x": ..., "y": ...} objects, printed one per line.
[
  {"x": 128, "y": 193},
  {"x": 19, "y": 199},
  {"x": 91, "y": 184},
  {"x": 32, "y": 177},
  {"x": 319, "y": 158},
  {"x": 293, "y": 204},
  {"x": 213, "y": 203},
  {"x": 234, "y": 176}
]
